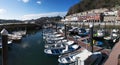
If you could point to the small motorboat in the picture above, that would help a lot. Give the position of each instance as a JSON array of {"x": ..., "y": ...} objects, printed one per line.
[
  {"x": 74, "y": 56},
  {"x": 115, "y": 33},
  {"x": 14, "y": 37},
  {"x": 20, "y": 33},
  {"x": 100, "y": 33},
  {"x": 54, "y": 40},
  {"x": 50, "y": 35},
  {"x": 9, "y": 42},
  {"x": 54, "y": 51},
  {"x": 69, "y": 42},
  {"x": 74, "y": 31},
  {"x": 82, "y": 32},
  {"x": 61, "y": 50},
  {"x": 57, "y": 45}
]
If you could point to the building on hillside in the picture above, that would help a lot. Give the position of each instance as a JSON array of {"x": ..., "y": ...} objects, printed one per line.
[
  {"x": 90, "y": 17},
  {"x": 118, "y": 16},
  {"x": 110, "y": 16},
  {"x": 96, "y": 15}
]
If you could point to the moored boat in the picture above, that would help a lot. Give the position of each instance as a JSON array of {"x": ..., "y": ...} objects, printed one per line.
[
  {"x": 115, "y": 33},
  {"x": 9, "y": 42},
  {"x": 61, "y": 50},
  {"x": 14, "y": 37},
  {"x": 73, "y": 57},
  {"x": 20, "y": 33}
]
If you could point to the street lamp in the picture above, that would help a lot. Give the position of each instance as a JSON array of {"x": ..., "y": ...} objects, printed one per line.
[
  {"x": 91, "y": 36},
  {"x": 4, "y": 34}
]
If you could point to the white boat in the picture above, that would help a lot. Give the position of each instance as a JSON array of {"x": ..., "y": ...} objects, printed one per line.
[
  {"x": 9, "y": 42},
  {"x": 100, "y": 33},
  {"x": 54, "y": 51},
  {"x": 74, "y": 31},
  {"x": 76, "y": 37},
  {"x": 115, "y": 33},
  {"x": 57, "y": 44},
  {"x": 53, "y": 40},
  {"x": 72, "y": 28},
  {"x": 74, "y": 56},
  {"x": 20, "y": 33},
  {"x": 14, "y": 37},
  {"x": 69, "y": 42},
  {"x": 61, "y": 50},
  {"x": 51, "y": 35},
  {"x": 82, "y": 32}
]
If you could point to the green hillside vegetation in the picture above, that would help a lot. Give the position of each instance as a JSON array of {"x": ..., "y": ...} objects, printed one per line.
[{"x": 85, "y": 5}]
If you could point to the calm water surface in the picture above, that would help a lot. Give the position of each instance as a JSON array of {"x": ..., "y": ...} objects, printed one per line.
[{"x": 30, "y": 51}]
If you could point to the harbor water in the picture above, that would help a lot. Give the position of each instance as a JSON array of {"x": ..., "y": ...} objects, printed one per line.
[{"x": 30, "y": 51}]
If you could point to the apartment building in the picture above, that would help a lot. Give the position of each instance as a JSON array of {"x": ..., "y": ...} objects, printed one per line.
[{"x": 102, "y": 14}]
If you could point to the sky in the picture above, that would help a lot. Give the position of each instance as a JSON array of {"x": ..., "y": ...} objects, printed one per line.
[{"x": 33, "y": 9}]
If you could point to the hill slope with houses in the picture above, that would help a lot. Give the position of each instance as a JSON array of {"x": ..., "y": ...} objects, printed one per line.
[
  {"x": 94, "y": 10},
  {"x": 85, "y": 5}
]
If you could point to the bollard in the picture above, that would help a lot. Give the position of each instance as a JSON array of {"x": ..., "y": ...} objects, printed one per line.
[
  {"x": 91, "y": 36},
  {"x": 4, "y": 34}
]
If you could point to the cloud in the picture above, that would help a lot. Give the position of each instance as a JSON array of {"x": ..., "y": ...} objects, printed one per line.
[
  {"x": 39, "y": 2},
  {"x": 2, "y": 11},
  {"x": 35, "y": 16},
  {"x": 25, "y": 1}
]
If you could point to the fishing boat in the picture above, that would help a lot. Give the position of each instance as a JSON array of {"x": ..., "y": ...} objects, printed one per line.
[
  {"x": 99, "y": 43},
  {"x": 51, "y": 35},
  {"x": 99, "y": 35},
  {"x": 54, "y": 40},
  {"x": 56, "y": 44},
  {"x": 114, "y": 36},
  {"x": 79, "y": 31},
  {"x": 62, "y": 49},
  {"x": 73, "y": 30},
  {"x": 115, "y": 33},
  {"x": 82, "y": 54},
  {"x": 82, "y": 32}
]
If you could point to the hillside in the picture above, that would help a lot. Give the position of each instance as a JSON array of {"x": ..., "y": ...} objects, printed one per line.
[
  {"x": 39, "y": 20},
  {"x": 84, "y": 5}
]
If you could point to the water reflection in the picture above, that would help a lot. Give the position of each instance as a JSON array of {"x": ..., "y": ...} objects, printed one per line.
[
  {"x": 25, "y": 45},
  {"x": 29, "y": 51}
]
